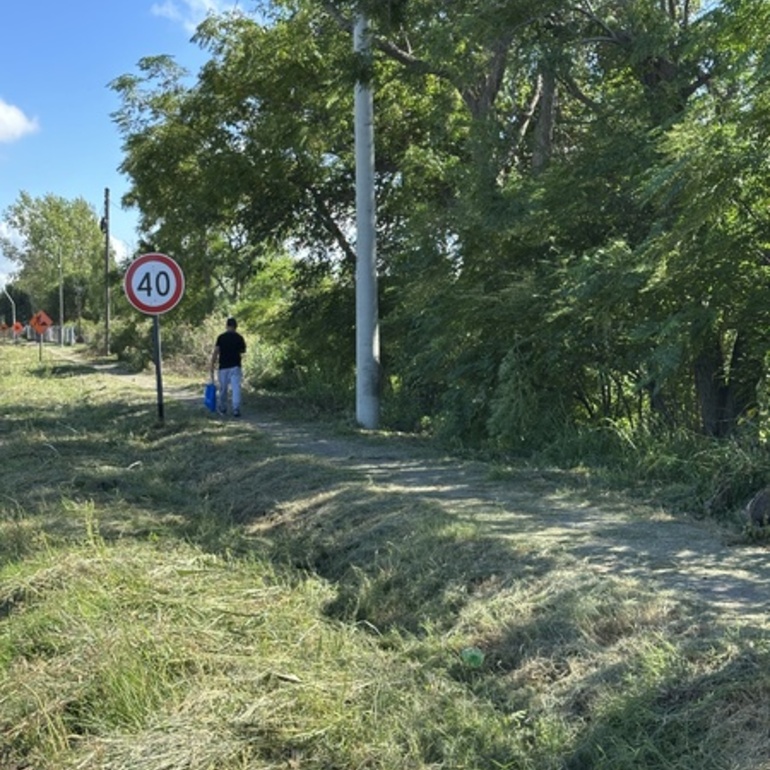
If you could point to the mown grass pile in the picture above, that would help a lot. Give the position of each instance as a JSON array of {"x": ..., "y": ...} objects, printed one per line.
[{"x": 189, "y": 595}]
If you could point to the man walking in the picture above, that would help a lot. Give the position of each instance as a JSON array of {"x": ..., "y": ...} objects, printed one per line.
[{"x": 229, "y": 348}]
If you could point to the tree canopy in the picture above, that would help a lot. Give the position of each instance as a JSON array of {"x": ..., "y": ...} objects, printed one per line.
[
  {"x": 572, "y": 205},
  {"x": 57, "y": 241}
]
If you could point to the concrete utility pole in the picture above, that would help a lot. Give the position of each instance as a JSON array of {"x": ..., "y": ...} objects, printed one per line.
[
  {"x": 106, "y": 231},
  {"x": 367, "y": 322}
]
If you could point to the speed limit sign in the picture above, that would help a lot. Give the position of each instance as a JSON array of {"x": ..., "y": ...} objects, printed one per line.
[{"x": 154, "y": 283}]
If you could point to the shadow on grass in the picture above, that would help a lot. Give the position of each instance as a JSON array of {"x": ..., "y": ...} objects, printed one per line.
[
  {"x": 67, "y": 369},
  {"x": 397, "y": 560},
  {"x": 375, "y": 523},
  {"x": 683, "y": 718}
]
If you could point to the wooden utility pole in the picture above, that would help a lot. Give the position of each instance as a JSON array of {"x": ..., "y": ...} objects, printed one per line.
[
  {"x": 367, "y": 323},
  {"x": 61, "y": 301},
  {"x": 13, "y": 312},
  {"x": 106, "y": 231}
]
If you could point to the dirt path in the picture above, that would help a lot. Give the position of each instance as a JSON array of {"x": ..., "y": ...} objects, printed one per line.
[{"x": 680, "y": 555}]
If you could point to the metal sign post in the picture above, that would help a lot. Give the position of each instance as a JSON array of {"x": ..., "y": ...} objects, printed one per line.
[{"x": 158, "y": 364}]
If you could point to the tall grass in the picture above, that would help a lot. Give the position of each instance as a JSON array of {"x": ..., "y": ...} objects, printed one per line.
[{"x": 189, "y": 595}]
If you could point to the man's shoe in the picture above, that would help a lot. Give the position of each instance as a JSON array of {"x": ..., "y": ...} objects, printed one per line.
[
  {"x": 236, "y": 412},
  {"x": 222, "y": 410}
]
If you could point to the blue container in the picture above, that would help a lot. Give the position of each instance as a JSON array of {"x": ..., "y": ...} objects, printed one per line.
[{"x": 210, "y": 397}]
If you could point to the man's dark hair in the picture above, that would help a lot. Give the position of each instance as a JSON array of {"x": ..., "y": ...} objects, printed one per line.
[{"x": 232, "y": 323}]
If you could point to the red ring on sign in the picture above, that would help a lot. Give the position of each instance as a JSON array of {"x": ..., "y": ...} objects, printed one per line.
[{"x": 140, "y": 304}]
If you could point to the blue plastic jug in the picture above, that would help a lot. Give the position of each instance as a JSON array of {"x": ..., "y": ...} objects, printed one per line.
[{"x": 210, "y": 397}]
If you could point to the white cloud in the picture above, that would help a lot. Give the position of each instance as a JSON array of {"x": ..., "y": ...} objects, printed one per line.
[
  {"x": 6, "y": 266},
  {"x": 190, "y": 13},
  {"x": 120, "y": 248},
  {"x": 8, "y": 269},
  {"x": 14, "y": 123},
  {"x": 6, "y": 272},
  {"x": 10, "y": 234}
]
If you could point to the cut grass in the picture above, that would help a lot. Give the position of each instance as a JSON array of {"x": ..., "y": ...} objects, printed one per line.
[{"x": 191, "y": 596}]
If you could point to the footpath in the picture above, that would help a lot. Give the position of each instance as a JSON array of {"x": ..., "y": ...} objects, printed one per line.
[{"x": 679, "y": 554}]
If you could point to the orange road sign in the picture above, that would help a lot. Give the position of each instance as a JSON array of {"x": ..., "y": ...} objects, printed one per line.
[{"x": 40, "y": 322}]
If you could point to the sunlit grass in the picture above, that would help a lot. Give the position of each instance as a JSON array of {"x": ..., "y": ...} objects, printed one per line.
[{"x": 188, "y": 596}]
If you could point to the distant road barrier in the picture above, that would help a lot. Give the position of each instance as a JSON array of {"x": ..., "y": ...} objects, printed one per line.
[{"x": 49, "y": 335}]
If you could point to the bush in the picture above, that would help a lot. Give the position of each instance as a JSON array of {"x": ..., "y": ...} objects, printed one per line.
[
  {"x": 186, "y": 348},
  {"x": 131, "y": 341},
  {"x": 524, "y": 414}
]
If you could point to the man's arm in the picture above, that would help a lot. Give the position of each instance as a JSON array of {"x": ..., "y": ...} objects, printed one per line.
[{"x": 214, "y": 359}]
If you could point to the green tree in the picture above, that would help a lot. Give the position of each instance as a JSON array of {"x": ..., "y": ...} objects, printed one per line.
[
  {"x": 57, "y": 241},
  {"x": 552, "y": 252},
  {"x": 714, "y": 231},
  {"x": 256, "y": 157},
  {"x": 579, "y": 230}
]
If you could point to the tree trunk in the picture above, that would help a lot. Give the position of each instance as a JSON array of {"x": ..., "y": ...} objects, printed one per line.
[
  {"x": 745, "y": 375},
  {"x": 711, "y": 389},
  {"x": 724, "y": 401},
  {"x": 543, "y": 139}
]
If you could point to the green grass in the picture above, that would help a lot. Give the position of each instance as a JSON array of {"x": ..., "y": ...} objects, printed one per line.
[{"x": 190, "y": 596}]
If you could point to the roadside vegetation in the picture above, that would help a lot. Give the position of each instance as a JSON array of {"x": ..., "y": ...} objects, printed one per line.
[
  {"x": 189, "y": 596},
  {"x": 572, "y": 250}
]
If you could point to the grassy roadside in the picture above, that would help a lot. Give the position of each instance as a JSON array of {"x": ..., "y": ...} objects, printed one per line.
[{"x": 191, "y": 596}]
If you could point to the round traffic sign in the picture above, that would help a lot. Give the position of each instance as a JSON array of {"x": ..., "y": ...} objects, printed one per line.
[{"x": 154, "y": 283}]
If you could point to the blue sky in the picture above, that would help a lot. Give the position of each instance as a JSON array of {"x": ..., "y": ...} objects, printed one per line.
[{"x": 57, "y": 58}]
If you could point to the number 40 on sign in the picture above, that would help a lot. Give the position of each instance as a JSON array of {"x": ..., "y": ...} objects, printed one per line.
[{"x": 154, "y": 283}]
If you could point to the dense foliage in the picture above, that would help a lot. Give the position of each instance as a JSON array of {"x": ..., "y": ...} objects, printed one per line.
[{"x": 572, "y": 207}]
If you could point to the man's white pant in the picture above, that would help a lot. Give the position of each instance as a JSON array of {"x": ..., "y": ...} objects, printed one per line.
[{"x": 230, "y": 379}]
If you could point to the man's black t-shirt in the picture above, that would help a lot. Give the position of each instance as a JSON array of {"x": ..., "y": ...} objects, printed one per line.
[{"x": 231, "y": 347}]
